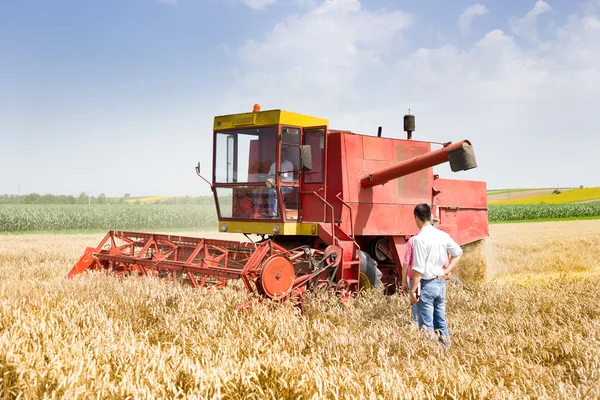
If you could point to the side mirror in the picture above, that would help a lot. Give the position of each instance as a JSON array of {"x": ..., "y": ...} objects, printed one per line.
[
  {"x": 306, "y": 158},
  {"x": 203, "y": 178}
]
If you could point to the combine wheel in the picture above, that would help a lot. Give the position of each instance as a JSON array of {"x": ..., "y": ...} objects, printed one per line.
[
  {"x": 277, "y": 277},
  {"x": 364, "y": 282},
  {"x": 369, "y": 271}
]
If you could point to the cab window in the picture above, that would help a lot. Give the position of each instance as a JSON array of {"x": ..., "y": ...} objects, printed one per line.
[{"x": 315, "y": 138}]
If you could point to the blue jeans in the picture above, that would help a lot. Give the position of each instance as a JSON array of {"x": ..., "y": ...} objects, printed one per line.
[
  {"x": 272, "y": 197},
  {"x": 258, "y": 195},
  {"x": 414, "y": 308},
  {"x": 432, "y": 309}
]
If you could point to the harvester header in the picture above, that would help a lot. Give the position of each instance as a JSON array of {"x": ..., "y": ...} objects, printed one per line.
[{"x": 333, "y": 209}]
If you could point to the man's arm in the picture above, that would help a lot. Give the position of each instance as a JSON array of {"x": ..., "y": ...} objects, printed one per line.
[
  {"x": 419, "y": 257},
  {"x": 453, "y": 262},
  {"x": 404, "y": 277},
  {"x": 416, "y": 282},
  {"x": 455, "y": 254},
  {"x": 405, "y": 262},
  {"x": 286, "y": 171}
]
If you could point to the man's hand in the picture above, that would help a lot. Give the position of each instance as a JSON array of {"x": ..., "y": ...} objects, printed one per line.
[
  {"x": 453, "y": 261},
  {"x": 416, "y": 285},
  {"x": 413, "y": 298},
  {"x": 404, "y": 288}
]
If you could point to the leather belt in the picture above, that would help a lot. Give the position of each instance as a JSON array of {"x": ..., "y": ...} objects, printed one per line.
[{"x": 439, "y": 278}]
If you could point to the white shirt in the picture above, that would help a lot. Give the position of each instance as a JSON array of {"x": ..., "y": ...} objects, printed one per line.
[
  {"x": 430, "y": 251},
  {"x": 287, "y": 171}
]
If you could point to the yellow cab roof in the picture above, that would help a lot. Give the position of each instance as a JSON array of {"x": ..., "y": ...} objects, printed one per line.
[{"x": 265, "y": 118}]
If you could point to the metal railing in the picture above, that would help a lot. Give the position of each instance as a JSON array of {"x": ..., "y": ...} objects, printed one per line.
[
  {"x": 335, "y": 239},
  {"x": 350, "y": 209}
]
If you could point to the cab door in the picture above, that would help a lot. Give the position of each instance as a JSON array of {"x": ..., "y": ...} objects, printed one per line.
[{"x": 313, "y": 179}]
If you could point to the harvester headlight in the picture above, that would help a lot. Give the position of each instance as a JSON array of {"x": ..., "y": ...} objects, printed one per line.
[
  {"x": 224, "y": 226},
  {"x": 276, "y": 228}
]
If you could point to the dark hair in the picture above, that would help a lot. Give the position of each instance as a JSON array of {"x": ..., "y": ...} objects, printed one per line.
[{"x": 423, "y": 212}]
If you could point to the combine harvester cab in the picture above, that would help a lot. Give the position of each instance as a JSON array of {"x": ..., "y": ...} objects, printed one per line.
[{"x": 334, "y": 209}]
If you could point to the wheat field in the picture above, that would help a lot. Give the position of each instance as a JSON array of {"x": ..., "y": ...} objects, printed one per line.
[{"x": 531, "y": 331}]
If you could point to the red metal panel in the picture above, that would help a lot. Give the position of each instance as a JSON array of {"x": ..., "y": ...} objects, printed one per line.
[
  {"x": 355, "y": 167},
  {"x": 376, "y": 148},
  {"x": 337, "y": 174},
  {"x": 353, "y": 163},
  {"x": 464, "y": 225},
  {"x": 463, "y": 205},
  {"x": 384, "y": 219},
  {"x": 460, "y": 193},
  {"x": 384, "y": 209},
  {"x": 413, "y": 188},
  {"x": 450, "y": 229},
  {"x": 472, "y": 225}
]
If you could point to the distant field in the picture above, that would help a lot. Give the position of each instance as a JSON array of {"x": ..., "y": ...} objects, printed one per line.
[
  {"x": 144, "y": 200},
  {"x": 540, "y": 196},
  {"x": 503, "y": 191},
  {"x": 88, "y": 218},
  {"x": 497, "y": 196}
]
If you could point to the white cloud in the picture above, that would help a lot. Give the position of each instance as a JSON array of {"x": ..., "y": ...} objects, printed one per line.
[
  {"x": 169, "y": 2},
  {"x": 261, "y": 4},
  {"x": 464, "y": 21},
  {"x": 326, "y": 49},
  {"x": 530, "y": 112},
  {"x": 258, "y": 4},
  {"x": 527, "y": 26}
]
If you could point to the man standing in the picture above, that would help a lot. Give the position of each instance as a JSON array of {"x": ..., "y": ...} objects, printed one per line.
[
  {"x": 407, "y": 281},
  {"x": 428, "y": 289}
]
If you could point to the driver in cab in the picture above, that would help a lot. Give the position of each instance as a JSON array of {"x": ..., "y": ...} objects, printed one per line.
[{"x": 287, "y": 175}]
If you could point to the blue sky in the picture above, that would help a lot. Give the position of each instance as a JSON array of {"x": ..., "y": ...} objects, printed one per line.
[{"x": 118, "y": 96}]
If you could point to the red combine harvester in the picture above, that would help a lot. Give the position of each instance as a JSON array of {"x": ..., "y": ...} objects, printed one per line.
[{"x": 334, "y": 209}]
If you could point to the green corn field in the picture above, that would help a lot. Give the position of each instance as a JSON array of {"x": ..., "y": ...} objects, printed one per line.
[
  {"x": 520, "y": 212},
  {"x": 66, "y": 217},
  {"x": 63, "y": 217}
]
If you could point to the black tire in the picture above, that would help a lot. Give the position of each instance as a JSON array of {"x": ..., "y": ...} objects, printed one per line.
[{"x": 369, "y": 267}]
